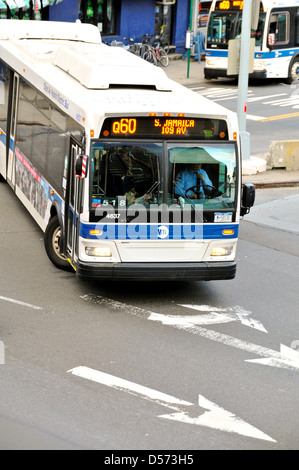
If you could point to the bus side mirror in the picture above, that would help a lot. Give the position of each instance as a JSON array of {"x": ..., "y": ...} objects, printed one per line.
[
  {"x": 81, "y": 166},
  {"x": 248, "y": 197}
]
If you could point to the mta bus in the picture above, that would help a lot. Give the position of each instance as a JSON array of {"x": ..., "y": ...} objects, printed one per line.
[
  {"x": 95, "y": 141},
  {"x": 276, "y": 54}
]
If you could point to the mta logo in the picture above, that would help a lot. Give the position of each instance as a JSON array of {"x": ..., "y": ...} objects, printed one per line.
[{"x": 163, "y": 231}]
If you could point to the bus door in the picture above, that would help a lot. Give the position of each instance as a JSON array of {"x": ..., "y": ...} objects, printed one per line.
[
  {"x": 73, "y": 205},
  {"x": 11, "y": 133}
]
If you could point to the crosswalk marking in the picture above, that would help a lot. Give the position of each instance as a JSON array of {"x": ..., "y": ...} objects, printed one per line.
[
  {"x": 283, "y": 100},
  {"x": 251, "y": 117},
  {"x": 260, "y": 98}
]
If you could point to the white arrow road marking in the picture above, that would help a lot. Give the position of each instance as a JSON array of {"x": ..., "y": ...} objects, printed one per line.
[
  {"x": 218, "y": 418},
  {"x": 229, "y": 314},
  {"x": 289, "y": 358},
  {"x": 126, "y": 386},
  {"x": 215, "y": 417},
  {"x": 213, "y": 315},
  {"x": 18, "y": 302},
  {"x": 280, "y": 359},
  {"x": 195, "y": 329}
]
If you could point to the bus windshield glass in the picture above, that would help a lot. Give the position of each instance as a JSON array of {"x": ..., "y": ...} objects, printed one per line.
[
  {"x": 223, "y": 26},
  {"x": 227, "y": 25},
  {"x": 127, "y": 173},
  {"x": 202, "y": 174}
]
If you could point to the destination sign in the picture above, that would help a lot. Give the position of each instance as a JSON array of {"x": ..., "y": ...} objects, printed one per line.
[
  {"x": 230, "y": 5},
  {"x": 164, "y": 127}
]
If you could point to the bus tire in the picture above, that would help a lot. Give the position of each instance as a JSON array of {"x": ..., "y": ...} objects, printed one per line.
[
  {"x": 51, "y": 240},
  {"x": 293, "y": 72}
]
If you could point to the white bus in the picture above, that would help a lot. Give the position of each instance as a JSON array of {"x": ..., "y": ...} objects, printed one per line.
[
  {"x": 94, "y": 141},
  {"x": 276, "y": 53}
]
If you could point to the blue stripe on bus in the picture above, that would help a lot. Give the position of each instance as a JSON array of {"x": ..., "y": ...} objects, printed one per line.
[
  {"x": 274, "y": 54},
  {"x": 158, "y": 231},
  {"x": 3, "y": 140},
  {"x": 217, "y": 52},
  {"x": 2, "y": 137}
]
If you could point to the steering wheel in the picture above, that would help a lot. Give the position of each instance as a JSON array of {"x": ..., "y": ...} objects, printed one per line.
[{"x": 209, "y": 191}]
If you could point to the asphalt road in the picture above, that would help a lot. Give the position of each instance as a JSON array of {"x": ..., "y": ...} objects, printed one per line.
[{"x": 182, "y": 350}]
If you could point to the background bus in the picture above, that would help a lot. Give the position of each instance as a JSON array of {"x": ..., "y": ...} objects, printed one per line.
[
  {"x": 276, "y": 39},
  {"x": 95, "y": 141}
]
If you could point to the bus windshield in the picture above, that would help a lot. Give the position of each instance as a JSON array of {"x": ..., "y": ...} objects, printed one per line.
[
  {"x": 126, "y": 173},
  {"x": 202, "y": 174},
  {"x": 129, "y": 172},
  {"x": 223, "y": 27},
  {"x": 227, "y": 25}
]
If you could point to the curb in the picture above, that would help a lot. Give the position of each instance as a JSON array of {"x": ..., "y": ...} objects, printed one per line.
[{"x": 275, "y": 184}]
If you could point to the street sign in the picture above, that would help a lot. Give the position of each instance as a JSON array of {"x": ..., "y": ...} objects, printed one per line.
[{"x": 234, "y": 52}]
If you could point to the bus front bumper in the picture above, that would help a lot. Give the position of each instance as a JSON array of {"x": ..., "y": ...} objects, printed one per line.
[
  {"x": 210, "y": 73},
  {"x": 202, "y": 271}
]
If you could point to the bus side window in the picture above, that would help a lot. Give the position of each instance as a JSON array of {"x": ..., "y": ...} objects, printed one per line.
[
  {"x": 279, "y": 26},
  {"x": 297, "y": 29}
]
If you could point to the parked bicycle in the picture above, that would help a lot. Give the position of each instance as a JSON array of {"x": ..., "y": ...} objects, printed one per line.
[
  {"x": 151, "y": 52},
  {"x": 154, "y": 52}
]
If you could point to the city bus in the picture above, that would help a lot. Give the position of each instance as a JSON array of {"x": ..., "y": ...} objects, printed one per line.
[
  {"x": 94, "y": 142},
  {"x": 276, "y": 54}
]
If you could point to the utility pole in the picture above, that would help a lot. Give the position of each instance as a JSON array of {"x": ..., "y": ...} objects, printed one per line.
[{"x": 243, "y": 79}]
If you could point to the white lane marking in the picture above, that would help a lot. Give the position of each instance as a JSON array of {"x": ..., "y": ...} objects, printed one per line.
[
  {"x": 215, "y": 417},
  {"x": 18, "y": 302},
  {"x": 130, "y": 387},
  {"x": 227, "y": 340},
  {"x": 228, "y": 314}
]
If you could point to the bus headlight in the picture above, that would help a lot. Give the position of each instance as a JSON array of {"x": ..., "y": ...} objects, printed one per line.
[
  {"x": 98, "y": 251},
  {"x": 222, "y": 251}
]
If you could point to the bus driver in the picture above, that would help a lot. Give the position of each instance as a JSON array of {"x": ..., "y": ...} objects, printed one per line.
[{"x": 190, "y": 179}]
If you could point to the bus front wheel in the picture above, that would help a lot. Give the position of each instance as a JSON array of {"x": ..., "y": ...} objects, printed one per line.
[
  {"x": 52, "y": 245},
  {"x": 294, "y": 72}
]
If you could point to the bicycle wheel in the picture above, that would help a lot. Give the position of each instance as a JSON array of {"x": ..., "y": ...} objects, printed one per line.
[
  {"x": 163, "y": 58},
  {"x": 149, "y": 56}
]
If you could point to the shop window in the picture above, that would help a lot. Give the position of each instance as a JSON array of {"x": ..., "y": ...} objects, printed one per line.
[
  {"x": 101, "y": 13},
  {"x": 164, "y": 22},
  {"x": 24, "y": 9}
]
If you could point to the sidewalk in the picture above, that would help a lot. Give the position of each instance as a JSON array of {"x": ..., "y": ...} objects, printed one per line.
[{"x": 253, "y": 169}]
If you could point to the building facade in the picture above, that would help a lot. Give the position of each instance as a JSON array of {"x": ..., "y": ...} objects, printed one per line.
[{"x": 116, "y": 19}]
